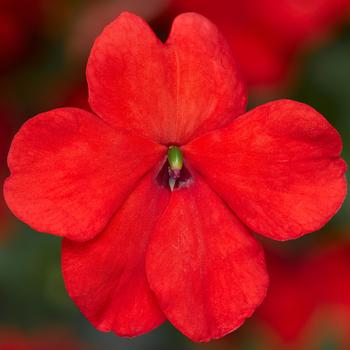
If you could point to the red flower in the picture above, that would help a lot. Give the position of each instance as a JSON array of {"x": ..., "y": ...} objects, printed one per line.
[
  {"x": 309, "y": 299},
  {"x": 292, "y": 297},
  {"x": 136, "y": 253},
  {"x": 267, "y": 35},
  {"x": 18, "y": 23},
  {"x": 6, "y": 133},
  {"x": 43, "y": 340},
  {"x": 92, "y": 16}
]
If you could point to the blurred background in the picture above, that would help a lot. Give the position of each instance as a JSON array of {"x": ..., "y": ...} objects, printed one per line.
[{"x": 298, "y": 49}]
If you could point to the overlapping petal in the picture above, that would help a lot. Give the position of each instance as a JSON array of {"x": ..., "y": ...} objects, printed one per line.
[
  {"x": 278, "y": 167},
  {"x": 70, "y": 172},
  {"x": 207, "y": 271},
  {"x": 106, "y": 276},
  {"x": 169, "y": 92}
]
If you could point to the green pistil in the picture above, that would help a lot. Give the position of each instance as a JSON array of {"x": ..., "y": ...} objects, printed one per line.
[{"x": 175, "y": 160}]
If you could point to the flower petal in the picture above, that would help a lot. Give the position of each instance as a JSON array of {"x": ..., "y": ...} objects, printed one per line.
[
  {"x": 278, "y": 167},
  {"x": 210, "y": 93},
  {"x": 169, "y": 92},
  {"x": 70, "y": 172},
  {"x": 207, "y": 272},
  {"x": 106, "y": 276}
]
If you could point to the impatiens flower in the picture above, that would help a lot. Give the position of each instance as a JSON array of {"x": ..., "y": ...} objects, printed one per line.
[
  {"x": 156, "y": 191},
  {"x": 6, "y": 133},
  {"x": 90, "y": 18},
  {"x": 308, "y": 302},
  {"x": 292, "y": 297},
  {"x": 51, "y": 339},
  {"x": 267, "y": 35},
  {"x": 18, "y": 22},
  {"x": 307, "y": 305},
  {"x": 75, "y": 95}
]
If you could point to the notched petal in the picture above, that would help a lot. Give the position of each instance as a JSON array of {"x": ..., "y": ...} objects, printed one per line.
[
  {"x": 70, "y": 172},
  {"x": 168, "y": 92},
  {"x": 278, "y": 167}
]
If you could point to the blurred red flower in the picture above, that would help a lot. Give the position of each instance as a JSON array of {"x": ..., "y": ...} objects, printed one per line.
[
  {"x": 92, "y": 16},
  {"x": 136, "y": 253},
  {"x": 75, "y": 96},
  {"x": 6, "y": 134},
  {"x": 308, "y": 302},
  {"x": 267, "y": 35},
  {"x": 19, "y": 20},
  {"x": 45, "y": 340}
]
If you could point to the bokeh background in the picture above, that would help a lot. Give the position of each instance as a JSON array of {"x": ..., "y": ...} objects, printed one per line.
[{"x": 297, "y": 49}]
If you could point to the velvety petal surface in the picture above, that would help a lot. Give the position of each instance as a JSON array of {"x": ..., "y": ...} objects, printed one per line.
[
  {"x": 70, "y": 172},
  {"x": 106, "y": 276},
  {"x": 278, "y": 167},
  {"x": 169, "y": 92},
  {"x": 207, "y": 271}
]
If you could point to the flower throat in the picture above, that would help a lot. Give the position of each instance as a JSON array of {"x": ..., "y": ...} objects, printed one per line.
[{"x": 173, "y": 173}]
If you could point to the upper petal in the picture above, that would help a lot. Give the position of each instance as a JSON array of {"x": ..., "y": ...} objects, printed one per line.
[
  {"x": 207, "y": 271},
  {"x": 106, "y": 276},
  {"x": 70, "y": 171},
  {"x": 169, "y": 92},
  {"x": 278, "y": 167}
]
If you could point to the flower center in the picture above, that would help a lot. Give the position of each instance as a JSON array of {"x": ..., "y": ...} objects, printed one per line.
[
  {"x": 173, "y": 173},
  {"x": 175, "y": 161}
]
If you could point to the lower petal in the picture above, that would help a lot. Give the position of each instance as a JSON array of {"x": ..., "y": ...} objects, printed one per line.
[
  {"x": 207, "y": 271},
  {"x": 106, "y": 276}
]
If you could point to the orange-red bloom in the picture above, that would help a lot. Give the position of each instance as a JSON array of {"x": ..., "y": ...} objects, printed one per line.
[{"x": 136, "y": 253}]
